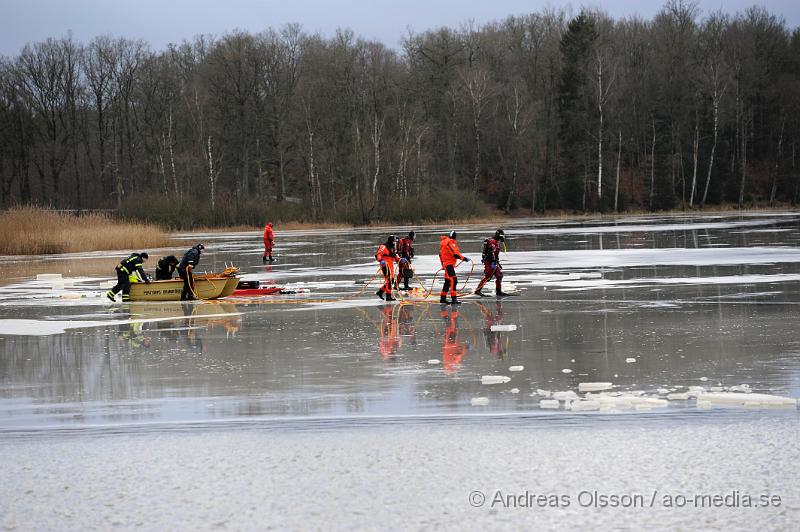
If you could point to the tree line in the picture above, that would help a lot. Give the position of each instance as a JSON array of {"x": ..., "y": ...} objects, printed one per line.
[{"x": 535, "y": 112}]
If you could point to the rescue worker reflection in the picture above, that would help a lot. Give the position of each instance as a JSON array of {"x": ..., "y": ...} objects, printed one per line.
[
  {"x": 406, "y": 252},
  {"x": 496, "y": 343},
  {"x": 189, "y": 261},
  {"x": 448, "y": 255},
  {"x": 133, "y": 335},
  {"x": 389, "y": 337},
  {"x": 132, "y": 265},
  {"x": 491, "y": 263},
  {"x": 453, "y": 349},
  {"x": 396, "y": 326},
  {"x": 386, "y": 257}
]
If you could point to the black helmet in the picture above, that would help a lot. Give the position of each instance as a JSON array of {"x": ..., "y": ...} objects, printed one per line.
[
  {"x": 499, "y": 235},
  {"x": 200, "y": 246},
  {"x": 452, "y": 235},
  {"x": 144, "y": 255},
  {"x": 411, "y": 235},
  {"x": 390, "y": 240}
]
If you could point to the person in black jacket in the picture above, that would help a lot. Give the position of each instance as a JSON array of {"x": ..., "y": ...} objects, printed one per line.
[
  {"x": 165, "y": 267},
  {"x": 189, "y": 261},
  {"x": 124, "y": 269}
]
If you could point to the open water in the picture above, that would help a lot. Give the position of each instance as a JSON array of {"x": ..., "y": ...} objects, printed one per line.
[{"x": 328, "y": 408}]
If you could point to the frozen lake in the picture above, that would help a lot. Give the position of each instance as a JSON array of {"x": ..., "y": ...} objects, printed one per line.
[{"x": 684, "y": 327}]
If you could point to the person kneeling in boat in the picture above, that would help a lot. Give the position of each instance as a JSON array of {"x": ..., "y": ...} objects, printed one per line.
[
  {"x": 386, "y": 257},
  {"x": 127, "y": 267},
  {"x": 189, "y": 261},
  {"x": 166, "y": 267}
]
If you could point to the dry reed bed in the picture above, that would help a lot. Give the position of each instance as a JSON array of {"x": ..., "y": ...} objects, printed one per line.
[{"x": 36, "y": 231}]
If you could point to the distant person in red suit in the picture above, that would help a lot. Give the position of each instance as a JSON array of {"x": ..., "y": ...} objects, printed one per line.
[{"x": 269, "y": 239}]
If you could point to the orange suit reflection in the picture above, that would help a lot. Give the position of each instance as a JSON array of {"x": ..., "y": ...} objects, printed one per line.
[
  {"x": 452, "y": 349},
  {"x": 389, "y": 339}
]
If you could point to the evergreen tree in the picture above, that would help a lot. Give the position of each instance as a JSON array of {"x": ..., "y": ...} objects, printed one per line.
[{"x": 573, "y": 106}]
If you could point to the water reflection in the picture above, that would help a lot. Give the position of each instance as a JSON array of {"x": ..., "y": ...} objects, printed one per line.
[
  {"x": 389, "y": 339},
  {"x": 132, "y": 336},
  {"x": 496, "y": 341},
  {"x": 453, "y": 348}
]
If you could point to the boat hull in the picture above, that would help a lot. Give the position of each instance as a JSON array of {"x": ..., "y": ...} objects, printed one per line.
[{"x": 204, "y": 288}]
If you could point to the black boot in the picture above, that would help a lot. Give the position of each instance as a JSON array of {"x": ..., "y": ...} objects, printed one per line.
[
  {"x": 379, "y": 293},
  {"x": 454, "y": 300},
  {"x": 443, "y": 300},
  {"x": 500, "y": 293},
  {"x": 264, "y": 259},
  {"x": 478, "y": 292},
  {"x": 271, "y": 259},
  {"x": 389, "y": 297}
]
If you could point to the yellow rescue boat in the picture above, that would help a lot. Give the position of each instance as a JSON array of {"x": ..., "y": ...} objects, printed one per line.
[{"x": 206, "y": 286}]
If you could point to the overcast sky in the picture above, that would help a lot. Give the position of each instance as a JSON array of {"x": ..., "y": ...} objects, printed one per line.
[{"x": 160, "y": 22}]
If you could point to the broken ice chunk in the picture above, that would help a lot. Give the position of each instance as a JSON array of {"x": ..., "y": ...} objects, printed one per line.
[
  {"x": 586, "y": 405},
  {"x": 594, "y": 386},
  {"x": 678, "y": 396},
  {"x": 565, "y": 396},
  {"x": 433, "y": 361},
  {"x": 494, "y": 379},
  {"x": 749, "y": 399},
  {"x": 630, "y": 360},
  {"x": 516, "y": 368},
  {"x": 548, "y": 403},
  {"x": 566, "y": 370},
  {"x": 479, "y": 401},
  {"x": 503, "y": 328}
]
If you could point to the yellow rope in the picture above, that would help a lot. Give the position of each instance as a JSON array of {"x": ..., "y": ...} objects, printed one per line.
[{"x": 393, "y": 281}]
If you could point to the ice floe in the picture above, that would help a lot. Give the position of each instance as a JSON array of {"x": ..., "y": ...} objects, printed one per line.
[
  {"x": 495, "y": 379},
  {"x": 503, "y": 328}
]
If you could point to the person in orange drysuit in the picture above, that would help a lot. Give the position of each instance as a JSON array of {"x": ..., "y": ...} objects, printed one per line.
[
  {"x": 448, "y": 254},
  {"x": 491, "y": 264},
  {"x": 405, "y": 248},
  {"x": 452, "y": 350},
  {"x": 386, "y": 257},
  {"x": 269, "y": 239}
]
